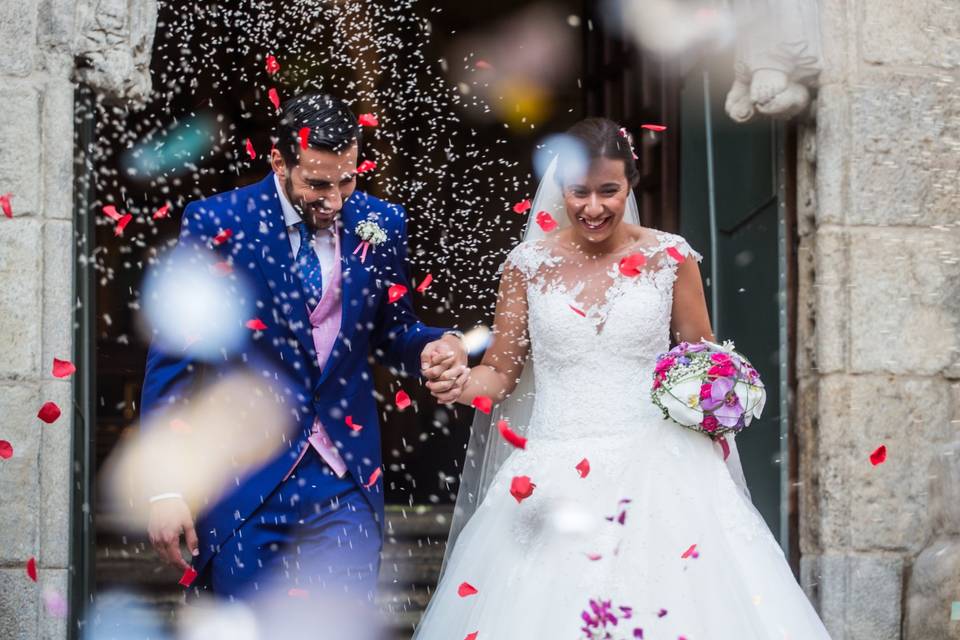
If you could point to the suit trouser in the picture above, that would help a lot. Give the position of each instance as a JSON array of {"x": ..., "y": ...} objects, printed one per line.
[{"x": 314, "y": 540}]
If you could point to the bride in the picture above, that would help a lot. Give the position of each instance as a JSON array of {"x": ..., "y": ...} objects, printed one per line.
[{"x": 608, "y": 501}]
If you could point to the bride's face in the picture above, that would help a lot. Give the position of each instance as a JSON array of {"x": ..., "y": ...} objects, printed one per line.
[{"x": 596, "y": 202}]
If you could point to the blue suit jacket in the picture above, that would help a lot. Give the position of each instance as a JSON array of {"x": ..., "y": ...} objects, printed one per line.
[{"x": 260, "y": 253}]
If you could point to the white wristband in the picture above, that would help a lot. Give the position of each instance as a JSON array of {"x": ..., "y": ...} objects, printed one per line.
[{"x": 165, "y": 496}]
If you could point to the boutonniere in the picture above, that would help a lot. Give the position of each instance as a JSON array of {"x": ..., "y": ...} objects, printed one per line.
[{"x": 370, "y": 235}]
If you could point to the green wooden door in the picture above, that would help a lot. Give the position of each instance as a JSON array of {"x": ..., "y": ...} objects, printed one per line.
[{"x": 730, "y": 210}]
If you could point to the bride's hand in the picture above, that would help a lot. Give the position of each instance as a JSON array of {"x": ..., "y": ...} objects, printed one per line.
[{"x": 448, "y": 386}]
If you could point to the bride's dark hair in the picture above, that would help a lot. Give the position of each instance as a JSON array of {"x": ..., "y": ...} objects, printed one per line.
[{"x": 602, "y": 138}]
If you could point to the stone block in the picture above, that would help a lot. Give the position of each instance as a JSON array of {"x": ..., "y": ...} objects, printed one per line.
[
  {"x": 832, "y": 152},
  {"x": 22, "y": 278},
  {"x": 58, "y": 149},
  {"x": 904, "y": 291},
  {"x": 18, "y": 29},
  {"x": 20, "y": 139},
  {"x": 864, "y": 507},
  {"x": 933, "y": 585},
  {"x": 19, "y": 475},
  {"x": 923, "y": 33},
  {"x": 55, "y": 464},
  {"x": 858, "y": 596},
  {"x": 58, "y": 307},
  {"x": 831, "y": 261},
  {"x": 904, "y": 152},
  {"x": 19, "y": 599}
]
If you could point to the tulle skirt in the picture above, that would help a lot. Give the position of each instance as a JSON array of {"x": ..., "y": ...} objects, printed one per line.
[{"x": 657, "y": 526}]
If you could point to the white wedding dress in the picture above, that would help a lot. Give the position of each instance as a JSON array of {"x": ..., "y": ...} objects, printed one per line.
[{"x": 537, "y": 563}]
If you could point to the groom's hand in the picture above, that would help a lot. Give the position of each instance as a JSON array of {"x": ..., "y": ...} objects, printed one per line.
[
  {"x": 168, "y": 520},
  {"x": 443, "y": 363}
]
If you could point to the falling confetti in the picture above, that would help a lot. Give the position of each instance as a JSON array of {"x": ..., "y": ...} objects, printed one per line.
[
  {"x": 593, "y": 557},
  {"x": 675, "y": 254},
  {"x": 49, "y": 412},
  {"x": 368, "y": 120},
  {"x": 482, "y": 404},
  {"x": 395, "y": 292},
  {"x": 5, "y": 204},
  {"x": 402, "y": 400},
  {"x": 366, "y": 166},
  {"x": 222, "y": 237},
  {"x": 630, "y": 266},
  {"x": 879, "y": 456},
  {"x": 546, "y": 221},
  {"x": 583, "y": 468},
  {"x": 189, "y": 575},
  {"x": 579, "y": 312},
  {"x": 426, "y": 283},
  {"x": 63, "y": 368},
  {"x": 372, "y": 480},
  {"x": 483, "y": 65},
  {"x": 304, "y": 135},
  {"x": 653, "y": 127},
  {"x": 272, "y": 65},
  {"x": 510, "y": 435},
  {"x": 466, "y": 589},
  {"x": 274, "y": 98},
  {"x": 250, "y": 150},
  {"x": 6, "y": 450},
  {"x": 521, "y": 488},
  {"x": 691, "y": 552},
  {"x": 162, "y": 212},
  {"x": 661, "y": 613},
  {"x": 122, "y": 224},
  {"x": 472, "y": 636},
  {"x": 522, "y": 206},
  {"x": 353, "y": 425},
  {"x": 32, "y": 568},
  {"x": 256, "y": 324},
  {"x": 298, "y": 593}
]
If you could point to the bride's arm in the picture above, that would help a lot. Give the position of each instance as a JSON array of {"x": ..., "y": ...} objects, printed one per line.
[
  {"x": 689, "y": 320},
  {"x": 497, "y": 375}
]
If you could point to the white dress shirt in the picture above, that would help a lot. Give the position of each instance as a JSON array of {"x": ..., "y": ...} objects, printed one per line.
[{"x": 324, "y": 243}]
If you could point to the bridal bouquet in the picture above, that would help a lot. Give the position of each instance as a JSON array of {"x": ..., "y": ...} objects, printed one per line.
[{"x": 708, "y": 388}]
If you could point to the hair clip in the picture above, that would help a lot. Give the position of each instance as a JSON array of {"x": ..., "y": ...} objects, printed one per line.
[{"x": 626, "y": 134}]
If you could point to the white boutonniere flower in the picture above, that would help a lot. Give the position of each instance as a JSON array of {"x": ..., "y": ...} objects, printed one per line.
[{"x": 371, "y": 235}]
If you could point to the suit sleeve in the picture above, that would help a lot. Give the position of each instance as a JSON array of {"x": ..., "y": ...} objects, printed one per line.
[{"x": 398, "y": 336}]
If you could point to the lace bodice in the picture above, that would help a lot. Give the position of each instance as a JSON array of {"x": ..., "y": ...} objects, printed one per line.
[{"x": 595, "y": 333}]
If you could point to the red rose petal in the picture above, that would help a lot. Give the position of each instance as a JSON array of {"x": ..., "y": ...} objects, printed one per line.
[
  {"x": 32, "y": 568},
  {"x": 63, "y": 368},
  {"x": 395, "y": 292},
  {"x": 661, "y": 613},
  {"x": 402, "y": 400},
  {"x": 522, "y": 206},
  {"x": 272, "y": 65},
  {"x": 222, "y": 237},
  {"x": 483, "y": 65},
  {"x": 274, "y": 98},
  {"x": 256, "y": 324},
  {"x": 546, "y": 221},
  {"x": 653, "y": 127},
  {"x": 111, "y": 212},
  {"x": 373, "y": 478},
  {"x": 298, "y": 593},
  {"x": 466, "y": 589},
  {"x": 521, "y": 488},
  {"x": 122, "y": 224},
  {"x": 674, "y": 253},
  {"x": 5, "y": 204},
  {"x": 366, "y": 166},
  {"x": 189, "y": 575},
  {"x": 472, "y": 636},
  {"x": 353, "y": 425},
  {"x": 510, "y": 435},
  {"x": 630, "y": 266},
  {"x": 691, "y": 551},
  {"x": 250, "y": 150},
  {"x": 879, "y": 455},
  {"x": 583, "y": 468},
  {"x": 162, "y": 212},
  {"x": 426, "y": 283},
  {"x": 482, "y": 404},
  {"x": 578, "y": 311},
  {"x": 593, "y": 557},
  {"x": 6, "y": 450},
  {"x": 304, "y": 135},
  {"x": 222, "y": 268},
  {"x": 49, "y": 412},
  {"x": 368, "y": 120}
]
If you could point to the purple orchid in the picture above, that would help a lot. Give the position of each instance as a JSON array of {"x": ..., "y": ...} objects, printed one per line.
[{"x": 723, "y": 402}]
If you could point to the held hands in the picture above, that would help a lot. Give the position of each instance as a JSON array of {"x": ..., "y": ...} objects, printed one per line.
[
  {"x": 169, "y": 518},
  {"x": 443, "y": 363}
]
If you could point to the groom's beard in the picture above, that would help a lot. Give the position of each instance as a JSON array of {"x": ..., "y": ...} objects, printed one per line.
[{"x": 316, "y": 216}]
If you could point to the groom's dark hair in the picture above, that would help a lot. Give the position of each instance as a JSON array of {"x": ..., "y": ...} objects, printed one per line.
[{"x": 332, "y": 124}]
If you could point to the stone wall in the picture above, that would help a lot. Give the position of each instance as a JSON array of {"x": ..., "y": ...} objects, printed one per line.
[
  {"x": 879, "y": 322},
  {"x": 45, "y": 47}
]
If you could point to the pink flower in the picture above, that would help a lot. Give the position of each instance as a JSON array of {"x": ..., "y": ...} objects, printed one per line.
[
  {"x": 710, "y": 424},
  {"x": 664, "y": 365},
  {"x": 705, "y": 390},
  {"x": 724, "y": 369}
]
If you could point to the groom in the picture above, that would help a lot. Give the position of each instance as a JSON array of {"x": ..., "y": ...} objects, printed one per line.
[{"x": 309, "y": 521}]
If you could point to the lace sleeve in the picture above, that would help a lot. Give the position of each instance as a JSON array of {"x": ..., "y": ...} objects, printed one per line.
[
  {"x": 680, "y": 244},
  {"x": 527, "y": 258}
]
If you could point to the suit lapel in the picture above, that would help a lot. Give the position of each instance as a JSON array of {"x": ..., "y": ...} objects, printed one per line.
[{"x": 268, "y": 233}]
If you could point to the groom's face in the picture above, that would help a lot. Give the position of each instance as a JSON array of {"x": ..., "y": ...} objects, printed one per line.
[{"x": 320, "y": 183}]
